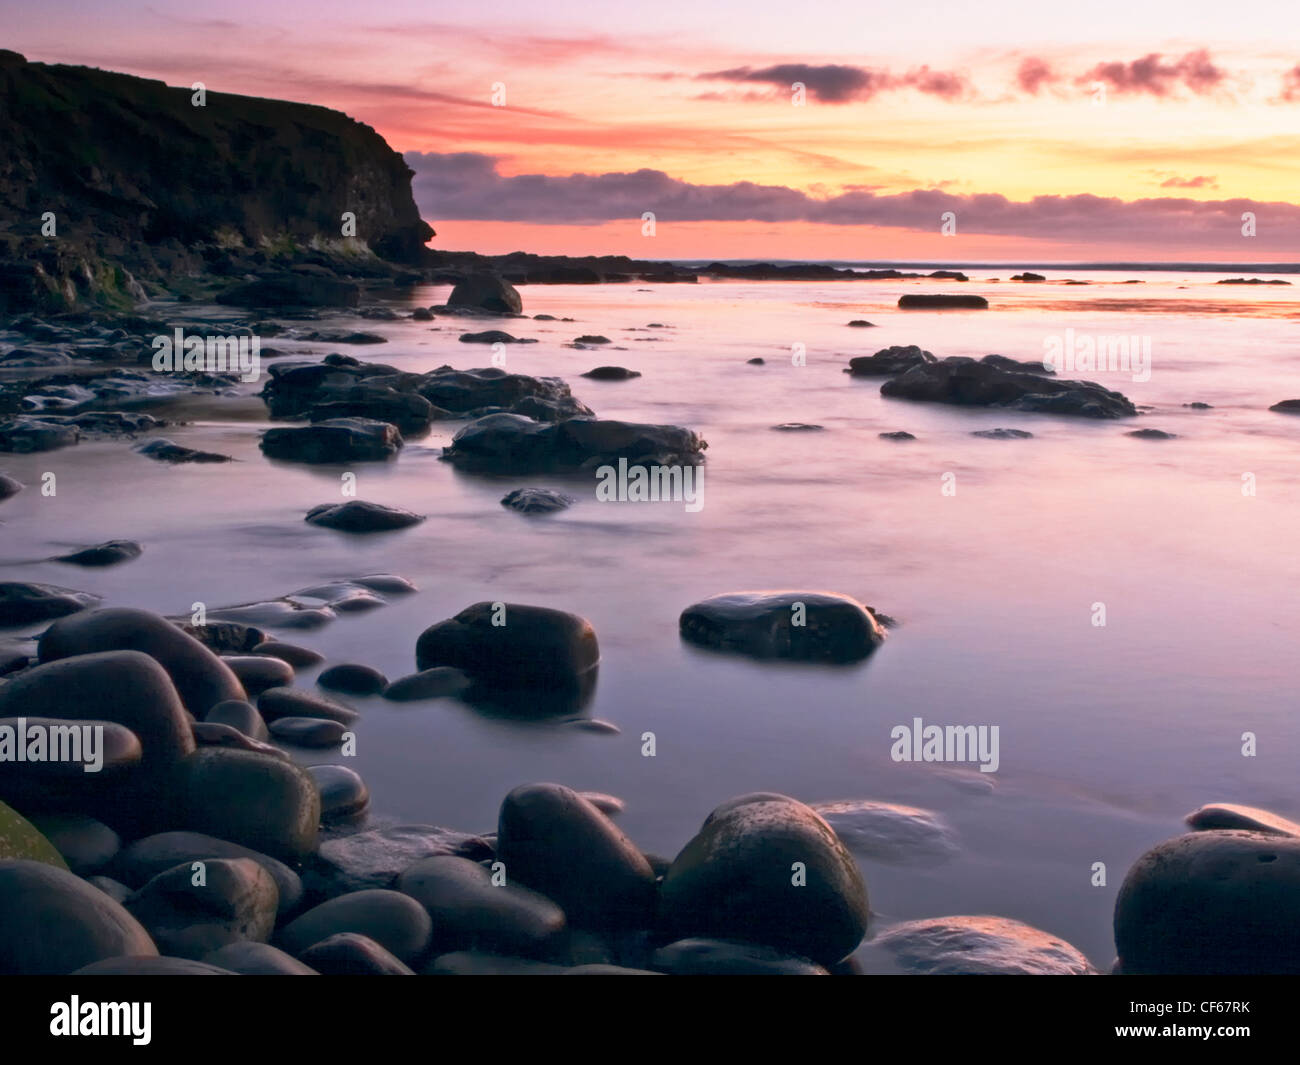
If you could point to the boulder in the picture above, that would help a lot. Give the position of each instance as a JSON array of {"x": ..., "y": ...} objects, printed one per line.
[
  {"x": 352, "y": 679},
  {"x": 395, "y": 921},
  {"x": 554, "y": 841},
  {"x": 343, "y": 794},
  {"x": 888, "y": 361},
  {"x": 109, "y": 553},
  {"x": 249, "y": 958},
  {"x": 358, "y": 516},
  {"x": 934, "y": 300},
  {"x": 486, "y": 292},
  {"x": 22, "y": 603},
  {"x": 814, "y": 626},
  {"x": 536, "y": 500},
  {"x": 611, "y": 373},
  {"x": 241, "y": 716},
  {"x": 335, "y": 441},
  {"x": 257, "y": 673},
  {"x": 200, "y": 677},
  {"x": 53, "y": 923},
  {"x": 27, "y": 433},
  {"x": 767, "y": 869}
]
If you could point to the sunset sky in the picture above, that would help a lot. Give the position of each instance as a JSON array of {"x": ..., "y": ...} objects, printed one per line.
[{"x": 1107, "y": 130}]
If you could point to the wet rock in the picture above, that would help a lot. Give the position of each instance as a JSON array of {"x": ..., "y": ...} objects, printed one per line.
[
  {"x": 717, "y": 957},
  {"x": 1027, "y": 276},
  {"x": 62, "y": 782},
  {"x": 756, "y": 361},
  {"x": 536, "y": 501},
  {"x": 308, "y": 731},
  {"x": 298, "y": 657},
  {"x": 53, "y": 922},
  {"x": 22, "y": 603},
  {"x": 193, "y": 909},
  {"x": 353, "y": 679},
  {"x": 1004, "y": 434},
  {"x": 609, "y": 805},
  {"x": 1206, "y": 406},
  {"x": 1287, "y": 406},
  {"x": 253, "y": 799},
  {"x": 798, "y": 427},
  {"x": 257, "y": 673},
  {"x": 290, "y": 289},
  {"x": 27, "y": 433},
  {"x": 9, "y": 487},
  {"x": 166, "y": 451},
  {"x": 834, "y": 628},
  {"x": 931, "y": 300},
  {"x": 114, "y": 889},
  {"x": 470, "y": 912},
  {"x": 144, "y": 859},
  {"x": 411, "y": 413},
  {"x": 967, "y": 382},
  {"x": 1212, "y": 903},
  {"x": 494, "y": 336},
  {"x": 352, "y": 954},
  {"x": 358, "y": 516},
  {"x": 334, "y": 441},
  {"x": 737, "y": 880},
  {"x": 343, "y": 794},
  {"x": 437, "y": 683},
  {"x": 250, "y": 958},
  {"x": 511, "y": 645},
  {"x": 375, "y": 857},
  {"x": 85, "y": 844},
  {"x": 486, "y": 292},
  {"x": 595, "y": 724},
  {"x": 109, "y": 553},
  {"x": 611, "y": 373},
  {"x": 889, "y": 832},
  {"x": 889, "y": 361},
  {"x": 214, "y": 734},
  {"x": 947, "y": 946},
  {"x": 395, "y": 921},
  {"x": 510, "y": 443},
  {"x": 201, "y": 678},
  {"x": 860, "y": 323},
  {"x": 224, "y": 637},
  {"x": 1002, "y": 362},
  {"x": 897, "y": 435},
  {"x": 278, "y": 703},
  {"x": 241, "y": 716},
  {"x": 388, "y": 583},
  {"x": 481, "y": 963},
  {"x": 1151, "y": 434},
  {"x": 1228, "y": 815},
  {"x": 556, "y": 842},
  {"x": 136, "y": 966}
]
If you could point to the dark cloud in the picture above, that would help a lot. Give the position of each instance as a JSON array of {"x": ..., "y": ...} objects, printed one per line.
[
  {"x": 467, "y": 185},
  {"x": 1199, "y": 182},
  {"x": 1155, "y": 76},
  {"x": 1034, "y": 73},
  {"x": 834, "y": 83}
]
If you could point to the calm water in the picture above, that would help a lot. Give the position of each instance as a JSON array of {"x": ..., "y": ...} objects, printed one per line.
[{"x": 1108, "y": 735}]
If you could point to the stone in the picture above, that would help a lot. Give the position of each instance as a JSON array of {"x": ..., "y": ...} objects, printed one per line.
[
  {"x": 352, "y": 679},
  {"x": 1220, "y": 815},
  {"x": 190, "y": 912},
  {"x": 486, "y": 292},
  {"x": 298, "y": 657},
  {"x": 611, "y": 373},
  {"x": 85, "y": 844},
  {"x": 276, "y": 703},
  {"x": 257, "y": 673},
  {"x": 932, "y": 300},
  {"x": 1151, "y": 434},
  {"x": 162, "y": 450},
  {"x": 264, "y": 803},
  {"x": 374, "y": 858},
  {"x": 22, "y": 603},
  {"x": 888, "y": 361},
  {"x": 395, "y": 921},
  {"x": 835, "y": 628},
  {"x": 734, "y": 881},
  {"x": 200, "y": 677},
  {"x": 343, "y": 794},
  {"x": 24, "y": 434},
  {"x": 717, "y": 957},
  {"x": 9, "y": 487},
  {"x": 554, "y": 841},
  {"x": 352, "y": 954},
  {"x": 998, "y": 946},
  {"x": 308, "y": 731},
  {"x": 240, "y": 715},
  {"x": 137, "y": 966},
  {"x": 1212, "y": 903},
  {"x": 109, "y": 553},
  {"x": 536, "y": 500},
  {"x": 292, "y": 289},
  {"x": 470, "y": 912},
  {"x": 53, "y": 922},
  {"x": 338, "y": 440},
  {"x": 1004, "y": 434},
  {"x": 142, "y": 860},
  {"x": 440, "y": 682},
  {"x": 358, "y": 516},
  {"x": 20, "y": 838},
  {"x": 890, "y": 832},
  {"x": 215, "y": 734},
  {"x": 897, "y": 435}
]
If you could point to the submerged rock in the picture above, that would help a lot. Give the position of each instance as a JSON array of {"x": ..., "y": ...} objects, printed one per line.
[
  {"x": 165, "y": 451},
  {"x": 898, "y": 434},
  {"x": 510, "y": 645},
  {"x": 22, "y": 603},
  {"x": 1212, "y": 903},
  {"x": 1287, "y": 406},
  {"x": 334, "y": 441},
  {"x": 9, "y": 487},
  {"x": 948, "y": 946},
  {"x": 888, "y": 361},
  {"x": 966, "y": 382},
  {"x": 817, "y": 626},
  {"x": 109, "y": 553},
  {"x": 767, "y": 869},
  {"x": 276, "y": 703},
  {"x": 27, "y": 433},
  {"x": 929, "y": 300},
  {"x": 611, "y": 373},
  {"x": 536, "y": 501},
  {"x": 494, "y": 336},
  {"x": 358, "y": 516},
  {"x": 375, "y": 857},
  {"x": 1004, "y": 434},
  {"x": 1221, "y": 815},
  {"x": 1150, "y": 434},
  {"x": 889, "y": 832},
  {"x": 352, "y": 679}
]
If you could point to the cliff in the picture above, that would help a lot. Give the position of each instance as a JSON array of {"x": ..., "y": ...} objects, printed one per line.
[{"x": 142, "y": 182}]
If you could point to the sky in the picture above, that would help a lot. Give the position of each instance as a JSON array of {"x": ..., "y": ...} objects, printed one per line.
[{"x": 1004, "y": 131}]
